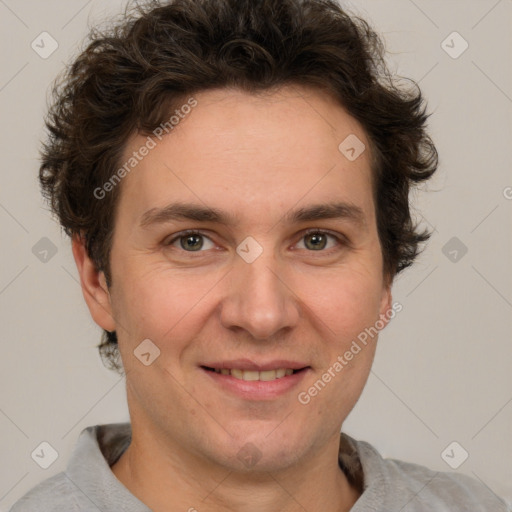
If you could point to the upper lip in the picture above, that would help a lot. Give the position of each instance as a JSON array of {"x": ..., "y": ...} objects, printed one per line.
[{"x": 249, "y": 365}]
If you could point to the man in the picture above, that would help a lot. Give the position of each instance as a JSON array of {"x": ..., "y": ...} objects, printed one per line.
[{"x": 235, "y": 178}]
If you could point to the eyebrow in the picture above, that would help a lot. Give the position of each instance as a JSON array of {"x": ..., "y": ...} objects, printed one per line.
[{"x": 199, "y": 213}]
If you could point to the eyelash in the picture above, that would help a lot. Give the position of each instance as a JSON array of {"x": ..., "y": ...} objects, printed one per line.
[{"x": 340, "y": 239}]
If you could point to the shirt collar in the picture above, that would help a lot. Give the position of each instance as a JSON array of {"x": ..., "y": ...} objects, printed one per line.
[{"x": 100, "y": 446}]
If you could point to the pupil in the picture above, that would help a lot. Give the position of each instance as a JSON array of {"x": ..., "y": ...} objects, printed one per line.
[
  {"x": 192, "y": 242},
  {"x": 318, "y": 240}
]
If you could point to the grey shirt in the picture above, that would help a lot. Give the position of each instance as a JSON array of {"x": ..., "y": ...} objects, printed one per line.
[{"x": 88, "y": 484}]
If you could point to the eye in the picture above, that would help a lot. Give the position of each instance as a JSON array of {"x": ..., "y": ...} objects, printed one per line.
[
  {"x": 316, "y": 240},
  {"x": 190, "y": 241}
]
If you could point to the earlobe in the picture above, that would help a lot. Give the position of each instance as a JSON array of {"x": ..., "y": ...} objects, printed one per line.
[
  {"x": 94, "y": 286},
  {"x": 385, "y": 304}
]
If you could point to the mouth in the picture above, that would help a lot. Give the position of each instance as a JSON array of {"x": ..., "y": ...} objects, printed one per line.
[
  {"x": 256, "y": 381},
  {"x": 255, "y": 375}
]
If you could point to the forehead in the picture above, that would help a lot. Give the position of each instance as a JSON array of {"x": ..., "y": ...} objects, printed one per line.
[{"x": 240, "y": 151}]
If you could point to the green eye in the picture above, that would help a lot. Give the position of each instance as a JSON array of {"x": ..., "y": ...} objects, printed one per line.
[
  {"x": 316, "y": 241},
  {"x": 192, "y": 242}
]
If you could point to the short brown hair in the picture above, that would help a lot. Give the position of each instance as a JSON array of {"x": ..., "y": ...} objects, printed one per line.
[{"x": 132, "y": 74}]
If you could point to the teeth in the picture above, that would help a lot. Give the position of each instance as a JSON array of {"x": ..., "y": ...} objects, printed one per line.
[
  {"x": 252, "y": 375},
  {"x": 238, "y": 374},
  {"x": 267, "y": 375}
]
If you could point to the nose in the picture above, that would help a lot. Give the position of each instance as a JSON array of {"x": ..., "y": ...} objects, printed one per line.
[{"x": 258, "y": 299}]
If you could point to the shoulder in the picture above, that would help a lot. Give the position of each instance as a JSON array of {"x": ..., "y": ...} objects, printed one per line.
[
  {"x": 87, "y": 479},
  {"x": 453, "y": 491},
  {"x": 55, "y": 494},
  {"x": 420, "y": 489}
]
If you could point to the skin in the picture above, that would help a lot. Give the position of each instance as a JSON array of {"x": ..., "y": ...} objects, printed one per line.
[{"x": 239, "y": 152}]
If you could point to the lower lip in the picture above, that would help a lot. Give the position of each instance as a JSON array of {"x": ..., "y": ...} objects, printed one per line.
[{"x": 257, "y": 389}]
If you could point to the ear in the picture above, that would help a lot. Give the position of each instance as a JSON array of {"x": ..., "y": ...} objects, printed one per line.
[
  {"x": 94, "y": 286},
  {"x": 385, "y": 311}
]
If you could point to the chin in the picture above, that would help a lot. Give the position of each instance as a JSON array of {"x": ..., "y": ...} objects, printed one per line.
[{"x": 260, "y": 450}]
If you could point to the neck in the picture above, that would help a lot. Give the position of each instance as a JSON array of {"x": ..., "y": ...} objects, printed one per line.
[{"x": 159, "y": 475}]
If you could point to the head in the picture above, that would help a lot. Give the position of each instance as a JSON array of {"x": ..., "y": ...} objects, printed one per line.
[{"x": 244, "y": 109}]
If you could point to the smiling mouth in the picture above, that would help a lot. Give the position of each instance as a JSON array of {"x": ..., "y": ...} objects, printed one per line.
[{"x": 252, "y": 375}]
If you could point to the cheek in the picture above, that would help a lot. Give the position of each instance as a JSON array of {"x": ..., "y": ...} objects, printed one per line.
[
  {"x": 161, "y": 304},
  {"x": 346, "y": 301},
  {"x": 138, "y": 304}
]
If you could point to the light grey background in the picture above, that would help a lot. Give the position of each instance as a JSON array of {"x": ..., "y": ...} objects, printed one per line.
[{"x": 443, "y": 367}]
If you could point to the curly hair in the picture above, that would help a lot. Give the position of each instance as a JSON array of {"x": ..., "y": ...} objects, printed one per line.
[{"x": 131, "y": 75}]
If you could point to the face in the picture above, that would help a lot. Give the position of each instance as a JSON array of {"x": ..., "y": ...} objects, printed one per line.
[{"x": 245, "y": 247}]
